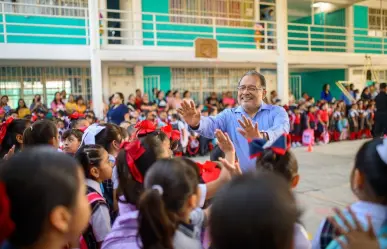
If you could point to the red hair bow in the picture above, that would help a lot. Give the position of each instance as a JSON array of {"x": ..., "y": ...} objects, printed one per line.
[
  {"x": 145, "y": 127},
  {"x": 76, "y": 115},
  {"x": 3, "y": 128},
  {"x": 7, "y": 226},
  {"x": 208, "y": 171},
  {"x": 175, "y": 135},
  {"x": 167, "y": 130},
  {"x": 133, "y": 151}
]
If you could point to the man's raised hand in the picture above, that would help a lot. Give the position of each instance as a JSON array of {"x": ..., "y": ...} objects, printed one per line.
[
  {"x": 249, "y": 130},
  {"x": 190, "y": 114}
]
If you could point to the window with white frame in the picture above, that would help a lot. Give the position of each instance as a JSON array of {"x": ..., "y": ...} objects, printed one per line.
[
  {"x": 73, "y": 8},
  {"x": 201, "y": 82},
  {"x": 377, "y": 19},
  {"x": 26, "y": 82},
  {"x": 202, "y": 11}
]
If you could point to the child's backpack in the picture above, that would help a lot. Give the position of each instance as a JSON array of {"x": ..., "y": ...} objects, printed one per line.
[
  {"x": 325, "y": 136},
  {"x": 87, "y": 240},
  {"x": 308, "y": 137}
]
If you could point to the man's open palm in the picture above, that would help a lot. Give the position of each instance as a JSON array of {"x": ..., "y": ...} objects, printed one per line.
[{"x": 190, "y": 114}]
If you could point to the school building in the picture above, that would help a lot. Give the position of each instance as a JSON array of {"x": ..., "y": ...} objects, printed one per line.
[{"x": 95, "y": 48}]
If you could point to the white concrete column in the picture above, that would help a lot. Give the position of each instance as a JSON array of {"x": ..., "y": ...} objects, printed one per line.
[
  {"x": 282, "y": 49},
  {"x": 139, "y": 77},
  {"x": 105, "y": 83},
  {"x": 257, "y": 11},
  {"x": 349, "y": 21},
  {"x": 137, "y": 22},
  {"x": 95, "y": 60},
  {"x": 103, "y": 11}
]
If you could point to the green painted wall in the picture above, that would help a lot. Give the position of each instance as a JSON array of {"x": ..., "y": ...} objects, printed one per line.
[
  {"x": 363, "y": 44},
  {"x": 165, "y": 77},
  {"x": 312, "y": 82},
  {"x": 43, "y": 30},
  {"x": 319, "y": 42},
  {"x": 170, "y": 30}
]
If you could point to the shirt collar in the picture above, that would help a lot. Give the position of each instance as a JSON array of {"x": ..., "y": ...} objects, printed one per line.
[
  {"x": 264, "y": 106},
  {"x": 95, "y": 185}
]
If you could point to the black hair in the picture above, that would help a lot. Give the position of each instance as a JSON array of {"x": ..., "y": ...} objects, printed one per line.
[
  {"x": 78, "y": 98},
  {"x": 121, "y": 95},
  {"x": 257, "y": 74},
  {"x": 128, "y": 187},
  {"x": 138, "y": 90},
  {"x": 75, "y": 122},
  {"x": 383, "y": 86},
  {"x": 175, "y": 116},
  {"x": 16, "y": 127},
  {"x": 283, "y": 165},
  {"x": 1, "y": 99},
  {"x": 124, "y": 133},
  {"x": 112, "y": 132},
  {"x": 159, "y": 212},
  {"x": 185, "y": 93},
  {"x": 44, "y": 179},
  {"x": 40, "y": 133},
  {"x": 168, "y": 92},
  {"x": 325, "y": 86},
  {"x": 18, "y": 106},
  {"x": 75, "y": 132},
  {"x": 266, "y": 210},
  {"x": 369, "y": 163},
  {"x": 174, "y": 92},
  {"x": 61, "y": 101},
  {"x": 89, "y": 156}
]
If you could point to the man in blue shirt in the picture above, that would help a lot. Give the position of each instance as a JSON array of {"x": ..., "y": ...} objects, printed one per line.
[{"x": 252, "y": 119}]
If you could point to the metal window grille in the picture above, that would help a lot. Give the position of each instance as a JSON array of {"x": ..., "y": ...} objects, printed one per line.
[
  {"x": 201, "y": 82},
  {"x": 72, "y": 8},
  {"x": 151, "y": 82},
  {"x": 377, "y": 19},
  {"x": 26, "y": 82},
  {"x": 228, "y": 9}
]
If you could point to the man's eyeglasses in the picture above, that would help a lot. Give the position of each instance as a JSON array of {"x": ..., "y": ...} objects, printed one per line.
[{"x": 250, "y": 88}]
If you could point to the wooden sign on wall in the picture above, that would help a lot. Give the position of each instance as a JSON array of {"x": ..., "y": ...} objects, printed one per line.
[{"x": 206, "y": 48}]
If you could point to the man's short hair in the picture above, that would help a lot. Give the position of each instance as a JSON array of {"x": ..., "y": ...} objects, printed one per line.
[
  {"x": 257, "y": 74},
  {"x": 383, "y": 86}
]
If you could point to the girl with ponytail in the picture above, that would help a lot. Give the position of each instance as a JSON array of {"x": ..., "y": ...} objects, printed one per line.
[{"x": 166, "y": 218}]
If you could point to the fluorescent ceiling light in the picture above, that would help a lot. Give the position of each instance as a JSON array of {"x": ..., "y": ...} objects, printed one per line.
[{"x": 323, "y": 6}]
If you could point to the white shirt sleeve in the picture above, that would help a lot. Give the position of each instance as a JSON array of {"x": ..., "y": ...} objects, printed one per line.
[
  {"x": 203, "y": 193},
  {"x": 316, "y": 238},
  {"x": 115, "y": 178},
  {"x": 100, "y": 221}
]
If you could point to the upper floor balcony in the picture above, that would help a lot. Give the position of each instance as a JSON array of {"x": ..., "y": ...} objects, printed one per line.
[{"x": 120, "y": 29}]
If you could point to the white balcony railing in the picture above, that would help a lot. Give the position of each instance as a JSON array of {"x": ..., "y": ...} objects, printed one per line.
[
  {"x": 52, "y": 24},
  {"x": 157, "y": 29},
  {"x": 44, "y": 24}
]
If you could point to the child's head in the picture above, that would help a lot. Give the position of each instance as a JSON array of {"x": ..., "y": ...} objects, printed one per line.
[
  {"x": 47, "y": 198},
  {"x": 163, "y": 115},
  {"x": 60, "y": 124},
  {"x": 133, "y": 162},
  {"x": 71, "y": 140},
  {"x": 284, "y": 165},
  {"x": 254, "y": 211},
  {"x": 369, "y": 175},
  {"x": 80, "y": 123},
  {"x": 124, "y": 134},
  {"x": 171, "y": 193},
  {"x": 13, "y": 135},
  {"x": 95, "y": 162},
  {"x": 311, "y": 109},
  {"x": 109, "y": 138},
  {"x": 42, "y": 132}
]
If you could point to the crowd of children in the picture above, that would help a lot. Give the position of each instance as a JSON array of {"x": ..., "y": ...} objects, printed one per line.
[
  {"x": 106, "y": 189},
  {"x": 324, "y": 122},
  {"x": 122, "y": 183}
]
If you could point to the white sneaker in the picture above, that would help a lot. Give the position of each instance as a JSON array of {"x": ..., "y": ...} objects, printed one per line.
[
  {"x": 299, "y": 144},
  {"x": 294, "y": 145}
]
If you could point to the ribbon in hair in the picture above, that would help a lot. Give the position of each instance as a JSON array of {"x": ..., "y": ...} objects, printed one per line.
[
  {"x": 90, "y": 133},
  {"x": 279, "y": 147},
  {"x": 382, "y": 150},
  {"x": 175, "y": 135},
  {"x": 167, "y": 130},
  {"x": 4, "y": 127},
  {"x": 7, "y": 226},
  {"x": 145, "y": 127},
  {"x": 208, "y": 171},
  {"x": 133, "y": 151}
]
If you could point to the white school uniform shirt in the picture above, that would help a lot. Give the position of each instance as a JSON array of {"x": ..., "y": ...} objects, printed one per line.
[
  {"x": 301, "y": 238},
  {"x": 100, "y": 219},
  {"x": 361, "y": 209},
  {"x": 337, "y": 114}
]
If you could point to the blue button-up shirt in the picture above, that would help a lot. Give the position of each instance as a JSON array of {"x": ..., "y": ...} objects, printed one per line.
[{"x": 271, "y": 119}]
